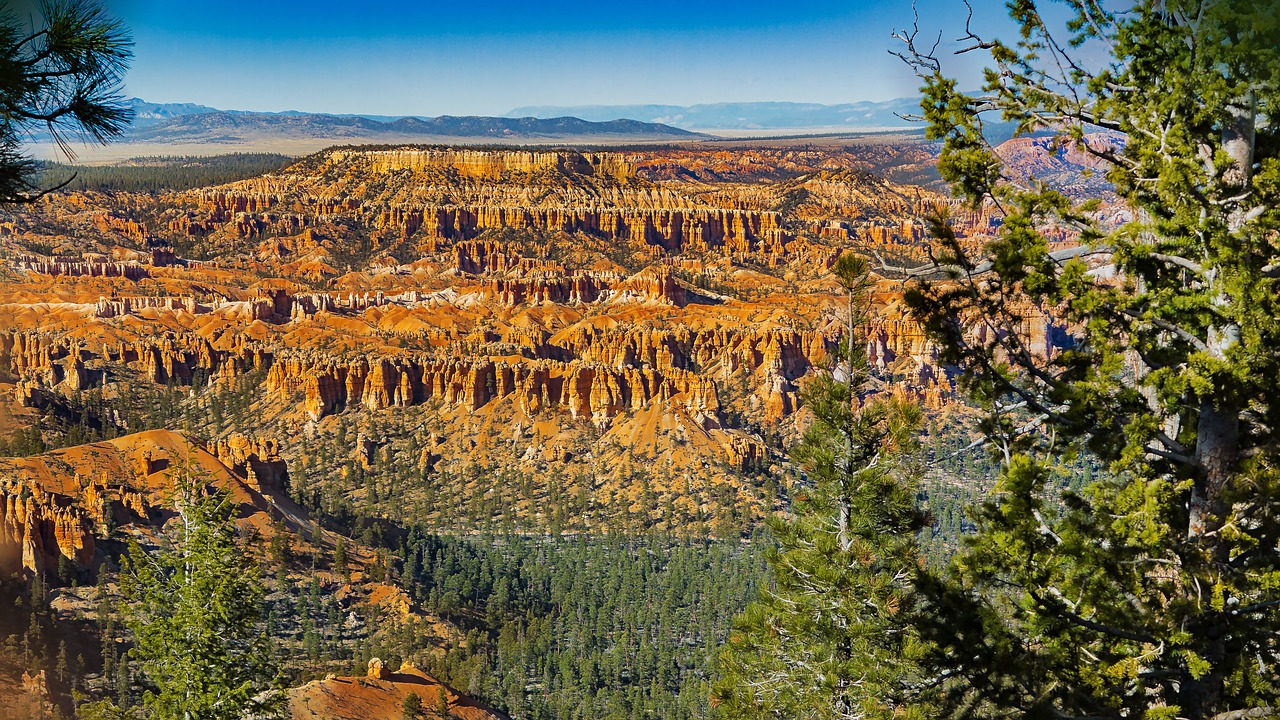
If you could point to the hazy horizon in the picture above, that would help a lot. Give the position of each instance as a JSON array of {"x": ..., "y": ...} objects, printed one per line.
[{"x": 509, "y": 111}]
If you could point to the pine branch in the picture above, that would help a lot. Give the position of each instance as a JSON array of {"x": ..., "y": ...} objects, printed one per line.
[{"x": 1091, "y": 624}]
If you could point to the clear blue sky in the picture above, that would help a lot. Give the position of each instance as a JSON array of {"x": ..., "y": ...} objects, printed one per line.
[{"x": 426, "y": 57}]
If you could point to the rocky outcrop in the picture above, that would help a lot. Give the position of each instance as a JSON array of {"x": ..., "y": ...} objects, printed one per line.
[
  {"x": 791, "y": 353},
  {"x": 93, "y": 267},
  {"x": 673, "y": 230},
  {"x": 55, "y": 507},
  {"x": 116, "y": 307},
  {"x": 588, "y": 370},
  {"x": 582, "y": 390},
  {"x": 745, "y": 454},
  {"x": 47, "y": 360},
  {"x": 110, "y": 223},
  {"x": 670, "y": 229},
  {"x": 490, "y": 164},
  {"x": 550, "y": 288},
  {"x": 480, "y": 257},
  {"x": 380, "y": 693},
  {"x": 457, "y": 195},
  {"x": 163, "y": 257},
  {"x": 285, "y": 306},
  {"x": 37, "y": 528},
  {"x": 257, "y": 460},
  {"x": 378, "y": 670}
]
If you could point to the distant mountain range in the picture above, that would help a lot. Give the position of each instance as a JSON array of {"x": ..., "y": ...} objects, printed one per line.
[
  {"x": 188, "y": 123},
  {"x": 233, "y": 127},
  {"x": 146, "y": 114},
  {"x": 745, "y": 115}
]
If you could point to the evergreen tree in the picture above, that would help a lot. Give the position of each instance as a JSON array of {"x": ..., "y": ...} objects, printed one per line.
[
  {"x": 412, "y": 706},
  {"x": 280, "y": 547},
  {"x": 61, "y": 71},
  {"x": 1155, "y": 591},
  {"x": 340, "y": 559},
  {"x": 195, "y": 612},
  {"x": 827, "y": 640},
  {"x": 442, "y": 703}
]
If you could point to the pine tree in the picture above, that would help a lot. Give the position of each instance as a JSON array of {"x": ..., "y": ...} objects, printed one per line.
[
  {"x": 280, "y": 547},
  {"x": 1155, "y": 591},
  {"x": 61, "y": 71},
  {"x": 195, "y": 612},
  {"x": 828, "y": 639},
  {"x": 412, "y": 706},
  {"x": 442, "y": 703},
  {"x": 340, "y": 559}
]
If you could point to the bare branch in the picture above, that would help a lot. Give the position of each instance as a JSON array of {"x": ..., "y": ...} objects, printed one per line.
[
  {"x": 1170, "y": 443},
  {"x": 1256, "y": 607},
  {"x": 986, "y": 265},
  {"x": 913, "y": 56},
  {"x": 1180, "y": 262},
  {"x": 1248, "y": 714},
  {"x": 978, "y": 43},
  {"x": 1175, "y": 457},
  {"x": 1164, "y": 325}
]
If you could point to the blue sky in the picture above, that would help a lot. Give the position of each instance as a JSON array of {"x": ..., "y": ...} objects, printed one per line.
[{"x": 475, "y": 57}]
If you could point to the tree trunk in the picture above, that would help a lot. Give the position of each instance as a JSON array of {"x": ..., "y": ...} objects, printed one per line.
[
  {"x": 1217, "y": 451},
  {"x": 1218, "y": 431},
  {"x": 1239, "y": 137}
]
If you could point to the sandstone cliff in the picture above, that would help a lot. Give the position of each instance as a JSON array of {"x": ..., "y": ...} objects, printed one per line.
[{"x": 508, "y": 313}]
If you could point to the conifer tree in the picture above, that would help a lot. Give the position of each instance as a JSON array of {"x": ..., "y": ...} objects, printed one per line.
[
  {"x": 60, "y": 68},
  {"x": 195, "y": 612},
  {"x": 828, "y": 640},
  {"x": 442, "y": 703},
  {"x": 1155, "y": 591},
  {"x": 340, "y": 559},
  {"x": 412, "y": 706}
]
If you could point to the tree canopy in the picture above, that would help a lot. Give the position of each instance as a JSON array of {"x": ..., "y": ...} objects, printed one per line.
[{"x": 1154, "y": 592}]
